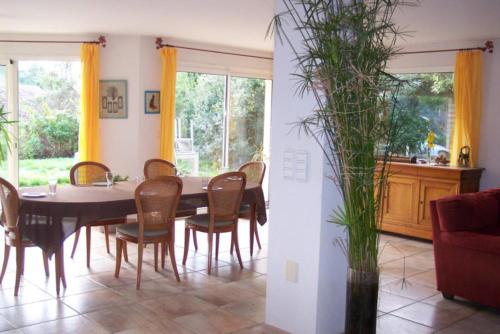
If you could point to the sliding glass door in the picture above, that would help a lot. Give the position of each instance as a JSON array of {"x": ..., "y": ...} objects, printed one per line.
[
  {"x": 8, "y": 109},
  {"x": 221, "y": 122}
]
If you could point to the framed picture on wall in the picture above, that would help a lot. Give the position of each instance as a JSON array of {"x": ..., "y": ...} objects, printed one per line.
[
  {"x": 152, "y": 102},
  {"x": 114, "y": 98}
]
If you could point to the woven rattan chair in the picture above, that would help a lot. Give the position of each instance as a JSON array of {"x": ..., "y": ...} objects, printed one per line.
[
  {"x": 159, "y": 167},
  {"x": 156, "y": 201},
  {"x": 13, "y": 238},
  {"x": 83, "y": 174},
  {"x": 255, "y": 171},
  {"x": 225, "y": 192}
]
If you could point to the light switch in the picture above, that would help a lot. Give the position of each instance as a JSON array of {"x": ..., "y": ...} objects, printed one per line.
[
  {"x": 288, "y": 164},
  {"x": 301, "y": 158}
]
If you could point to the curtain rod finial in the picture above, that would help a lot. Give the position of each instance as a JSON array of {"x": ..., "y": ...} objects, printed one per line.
[
  {"x": 102, "y": 41},
  {"x": 159, "y": 43},
  {"x": 488, "y": 46}
]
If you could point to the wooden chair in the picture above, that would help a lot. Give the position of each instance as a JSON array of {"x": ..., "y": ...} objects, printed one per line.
[
  {"x": 13, "y": 238},
  {"x": 225, "y": 192},
  {"x": 159, "y": 167},
  {"x": 83, "y": 174},
  {"x": 156, "y": 201},
  {"x": 255, "y": 171}
]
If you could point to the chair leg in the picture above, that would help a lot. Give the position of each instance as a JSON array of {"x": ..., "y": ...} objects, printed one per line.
[
  {"x": 195, "y": 240},
  {"x": 118, "y": 261},
  {"x": 172, "y": 259},
  {"x": 46, "y": 263},
  {"x": 210, "y": 246},
  {"x": 23, "y": 252},
  {"x": 217, "y": 239},
  {"x": 139, "y": 265},
  {"x": 257, "y": 235},
  {"x": 61, "y": 267},
  {"x": 187, "y": 232},
  {"x": 57, "y": 257},
  {"x": 19, "y": 268},
  {"x": 106, "y": 237},
  {"x": 156, "y": 256},
  {"x": 125, "y": 251},
  {"x": 237, "y": 246},
  {"x": 88, "y": 230},
  {"x": 252, "y": 232},
  {"x": 5, "y": 261},
  {"x": 163, "y": 251},
  {"x": 232, "y": 246},
  {"x": 75, "y": 243}
]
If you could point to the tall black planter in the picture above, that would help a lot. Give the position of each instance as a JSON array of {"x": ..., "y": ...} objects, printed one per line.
[{"x": 361, "y": 302}]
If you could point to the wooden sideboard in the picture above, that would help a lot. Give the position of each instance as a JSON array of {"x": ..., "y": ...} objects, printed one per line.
[{"x": 410, "y": 188}]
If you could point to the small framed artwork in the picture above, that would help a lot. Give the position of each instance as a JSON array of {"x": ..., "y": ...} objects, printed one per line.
[
  {"x": 114, "y": 98},
  {"x": 152, "y": 102}
]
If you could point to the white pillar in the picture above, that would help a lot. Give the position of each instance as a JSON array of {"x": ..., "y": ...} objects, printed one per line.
[{"x": 299, "y": 235}]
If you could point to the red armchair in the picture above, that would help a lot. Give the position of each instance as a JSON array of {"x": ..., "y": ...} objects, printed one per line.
[{"x": 466, "y": 237}]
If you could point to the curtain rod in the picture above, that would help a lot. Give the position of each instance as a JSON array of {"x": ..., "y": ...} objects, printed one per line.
[
  {"x": 159, "y": 45},
  {"x": 101, "y": 41},
  {"x": 488, "y": 47}
]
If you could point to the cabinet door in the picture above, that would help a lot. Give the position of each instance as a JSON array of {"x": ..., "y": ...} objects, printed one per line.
[
  {"x": 431, "y": 190},
  {"x": 400, "y": 198}
]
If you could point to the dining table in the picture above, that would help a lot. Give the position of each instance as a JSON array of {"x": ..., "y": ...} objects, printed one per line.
[{"x": 48, "y": 220}]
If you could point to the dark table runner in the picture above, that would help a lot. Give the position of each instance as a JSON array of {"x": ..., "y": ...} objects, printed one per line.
[{"x": 48, "y": 221}]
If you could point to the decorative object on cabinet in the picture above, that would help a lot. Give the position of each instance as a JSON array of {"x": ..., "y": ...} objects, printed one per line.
[{"x": 464, "y": 157}]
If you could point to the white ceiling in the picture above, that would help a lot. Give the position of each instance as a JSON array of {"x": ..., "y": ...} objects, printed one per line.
[{"x": 233, "y": 23}]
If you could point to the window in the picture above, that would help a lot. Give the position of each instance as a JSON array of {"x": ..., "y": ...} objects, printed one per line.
[
  {"x": 49, "y": 109},
  {"x": 427, "y": 105},
  {"x": 219, "y": 122}
]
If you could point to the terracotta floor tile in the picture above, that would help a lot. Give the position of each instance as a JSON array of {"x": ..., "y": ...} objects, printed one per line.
[
  {"x": 409, "y": 290},
  {"x": 431, "y": 316},
  {"x": 399, "y": 269},
  {"x": 427, "y": 278},
  {"x": 215, "y": 322},
  {"x": 256, "y": 285},
  {"x": 223, "y": 294},
  {"x": 423, "y": 260},
  {"x": 176, "y": 306},
  {"x": 261, "y": 329},
  {"x": 389, "y": 324},
  {"x": 95, "y": 300},
  {"x": 191, "y": 281},
  {"x": 455, "y": 304},
  {"x": 28, "y": 293},
  {"x": 5, "y": 325},
  {"x": 35, "y": 313},
  {"x": 482, "y": 322},
  {"x": 388, "y": 302},
  {"x": 253, "y": 308},
  {"x": 149, "y": 290},
  {"x": 75, "y": 285},
  {"x": 232, "y": 273},
  {"x": 72, "y": 325}
]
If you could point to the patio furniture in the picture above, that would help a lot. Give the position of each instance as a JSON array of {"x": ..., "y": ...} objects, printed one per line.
[
  {"x": 466, "y": 238},
  {"x": 86, "y": 173},
  {"x": 225, "y": 193},
  {"x": 156, "y": 201},
  {"x": 13, "y": 236}
]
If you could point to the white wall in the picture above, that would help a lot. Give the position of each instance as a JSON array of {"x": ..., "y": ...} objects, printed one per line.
[{"x": 299, "y": 230}]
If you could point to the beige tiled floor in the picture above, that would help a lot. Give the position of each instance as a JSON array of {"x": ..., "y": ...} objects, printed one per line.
[{"x": 229, "y": 301}]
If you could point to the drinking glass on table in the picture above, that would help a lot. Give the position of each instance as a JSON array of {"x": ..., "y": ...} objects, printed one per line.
[
  {"x": 52, "y": 186},
  {"x": 109, "y": 179}
]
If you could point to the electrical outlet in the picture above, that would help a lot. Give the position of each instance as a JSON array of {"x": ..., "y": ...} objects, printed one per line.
[{"x": 292, "y": 270}]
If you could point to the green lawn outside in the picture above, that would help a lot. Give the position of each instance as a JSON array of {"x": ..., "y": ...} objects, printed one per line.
[{"x": 35, "y": 172}]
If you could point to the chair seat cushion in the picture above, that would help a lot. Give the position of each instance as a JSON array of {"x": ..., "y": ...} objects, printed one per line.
[
  {"x": 203, "y": 220},
  {"x": 245, "y": 208},
  {"x": 482, "y": 242},
  {"x": 132, "y": 229}
]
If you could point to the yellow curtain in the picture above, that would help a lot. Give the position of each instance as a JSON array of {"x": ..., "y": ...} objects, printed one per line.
[
  {"x": 89, "y": 142},
  {"x": 167, "y": 102},
  {"x": 468, "y": 104}
]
